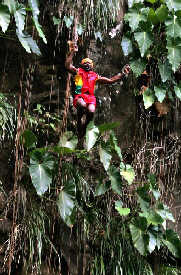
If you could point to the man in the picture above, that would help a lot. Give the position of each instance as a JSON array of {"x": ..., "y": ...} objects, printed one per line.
[{"x": 85, "y": 80}]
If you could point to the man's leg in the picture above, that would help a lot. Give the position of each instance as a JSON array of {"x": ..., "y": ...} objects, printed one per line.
[
  {"x": 90, "y": 114},
  {"x": 81, "y": 109}
]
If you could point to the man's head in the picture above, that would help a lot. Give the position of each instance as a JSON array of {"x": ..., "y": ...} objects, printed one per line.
[{"x": 87, "y": 64}]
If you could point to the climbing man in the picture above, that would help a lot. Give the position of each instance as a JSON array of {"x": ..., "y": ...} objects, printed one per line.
[{"x": 85, "y": 80}]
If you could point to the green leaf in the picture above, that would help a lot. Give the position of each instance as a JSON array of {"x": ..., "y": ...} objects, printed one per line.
[
  {"x": 102, "y": 188},
  {"x": 165, "y": 70},
  {"x": 153, "y": 17},
  {"x": 164, "y": 212},
  {"x": 122, "y": 211},
  {"x": 174, "y": 54},
  {"x": 108, "y": 126},
  {"x": 29, "y": 139},
  {"x": 151, "y": 1},
  {"x": 144, "y": 40},
  {"x": 56, "y": 21},
  {"x": 115, "y": 146},
  {"x": 162, "y": 13},
  {"x": 138, "y": 66},
  {"x": 40, "y": 172},
  {"x": 68, "y": 21},
  {"x": 152, "y": 217},
  {"x": 115, "y": 178},
  {"x": 177, "y": 90},
  {"x": 127, "y": 172},
  {"x": 139, "y": 237},
  {"x": 66, "y": 202},
  {"x": 172, "y": 241},
  {"x": 105, "y": 157},
  {"x": 154, "y": 186},
  {"x": 160, "y": 93},
  {"x": 126, "y": 45},
  {"x": 148, "y": 98},
  {"x": 11, "y": 5},
  {"x": 4, "y": 17},
  {"x": 28, "y": 43},
  {"x": 134, "y": 17},
  {"x": 143, "y": 197},
  {"x": 173, "y": 27},
  {"x": 35, "y": 10},
  {"x": 68, "y": 140},
  {"x": 131, "y": 3},
  {"x": 173, "y": 5},
  {"x": 152, "y": 242},
  {"x": 19, "y": 16},
  {"x": 92, "y": 133}
]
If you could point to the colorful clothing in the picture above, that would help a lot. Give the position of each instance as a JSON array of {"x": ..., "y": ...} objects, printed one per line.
[{"x": 85, "y": 84}]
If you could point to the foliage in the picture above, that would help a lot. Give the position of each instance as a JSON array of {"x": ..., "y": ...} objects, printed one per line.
[
  {"x": 152, "y": 36},
  {"x": 146, "y": 222},
  {"x": 15, "y": 10}
]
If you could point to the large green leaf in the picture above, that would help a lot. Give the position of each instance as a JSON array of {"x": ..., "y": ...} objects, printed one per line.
[
  {"x": 153, "y": 17},
  {"x": 68, "y": 21},
  {"x": 138, "y": 66},
  {"x": 29, "y": 139},
  {"x": 173, "y": 26},
  {"x": 144, "y": 40},
  {"x": 40, "y": 171},
  {"x": 164, "y": 212},
  {"x": 4, "y": 17},
  {"x": 139, "y": 237},
  {"x": 127, "y": 172},
  {"x": 115, "y": 178},
  {"x": 172, "y": 241},
  {"x": 11, "y": 5},
  {"x": 68, "y": 140},
  {"x": 19, "y": 16},
  {"x": 105, "y": 156},
  {"x": 92, "y": 133},
  {"x": 108, "y": 126},
  {"x": 152, "y": 242},
  {"x": 173, "y": 5},
  {"x": 102, "y": 188},
  {"x": 162, "y": 13},
  {"x": 122, "y": 210},
  {"x": 134, "y": 17},
  {"x": 154, "y": 186},
  {"x": 160, "y": 93},
  {"x": 115, "y": 146},
  {"x": 126, "y": 45},
  {"x": 143, "y": 197},
  {"x": 35, "y": 11},
  {"x": 66, "y": 202},
  {"x": 28, "y": 43},
  {"x": 152, "y": 217},
  {"x": 165, "y": 70},
  {"x": 177, "y": 90},
  {"x": 148, "y": 98},
  {"x": 174, "y": 53}
]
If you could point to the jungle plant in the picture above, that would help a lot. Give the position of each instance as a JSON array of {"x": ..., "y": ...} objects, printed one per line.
[
  {"x": 152, "y": 41},
  {"x": 144, "y": 227}
]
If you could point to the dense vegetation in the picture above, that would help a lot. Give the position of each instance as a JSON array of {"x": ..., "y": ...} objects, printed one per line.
[{"x": 90, "y": 210}]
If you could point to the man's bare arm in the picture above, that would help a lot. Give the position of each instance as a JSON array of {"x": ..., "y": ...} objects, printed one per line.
[
  {"x": 115, "y": 78},
  {"x": 69, "y": 59}
]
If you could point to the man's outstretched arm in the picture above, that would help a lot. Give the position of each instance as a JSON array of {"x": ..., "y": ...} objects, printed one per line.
[
  {"x": 69, "y": 58},
  {"x": 115, "y": 78}
]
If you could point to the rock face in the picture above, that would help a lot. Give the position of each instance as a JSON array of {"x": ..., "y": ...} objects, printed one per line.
[{"x": 150, "y": 142}]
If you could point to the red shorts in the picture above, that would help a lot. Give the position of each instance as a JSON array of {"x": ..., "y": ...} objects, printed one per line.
[{"x": 89, "y": 99}]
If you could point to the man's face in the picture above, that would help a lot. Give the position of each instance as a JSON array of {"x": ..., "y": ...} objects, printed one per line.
[{"x": 87, "y": 66}]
